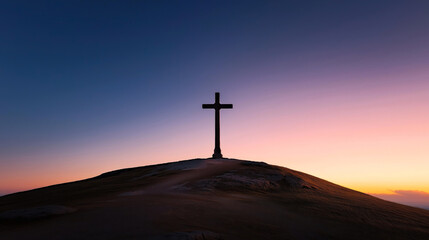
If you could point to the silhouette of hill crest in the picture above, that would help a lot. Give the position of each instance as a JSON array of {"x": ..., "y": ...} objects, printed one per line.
[{"x": 206, "y": 199}]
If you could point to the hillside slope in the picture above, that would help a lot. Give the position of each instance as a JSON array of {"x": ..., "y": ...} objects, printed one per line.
[{"x": 206, "y": 199}]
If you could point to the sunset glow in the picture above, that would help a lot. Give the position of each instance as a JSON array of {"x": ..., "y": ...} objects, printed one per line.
[{"x": 338, "y": 99}]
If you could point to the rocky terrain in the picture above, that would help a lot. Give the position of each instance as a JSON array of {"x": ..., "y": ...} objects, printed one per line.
[{"x": 206, "y": 199}]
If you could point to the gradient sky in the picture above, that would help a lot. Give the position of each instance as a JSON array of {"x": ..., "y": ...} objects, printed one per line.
[{"x": 336, "y": 89}]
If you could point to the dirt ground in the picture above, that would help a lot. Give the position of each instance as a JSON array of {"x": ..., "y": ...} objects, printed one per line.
[{"x": 206, "y": 199}]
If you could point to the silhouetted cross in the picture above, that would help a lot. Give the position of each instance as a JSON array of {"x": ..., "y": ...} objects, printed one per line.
[{"x": 217, "y": 107}]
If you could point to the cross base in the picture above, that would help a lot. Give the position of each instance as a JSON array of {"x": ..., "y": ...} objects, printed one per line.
[{"x": 217, "y": 155}]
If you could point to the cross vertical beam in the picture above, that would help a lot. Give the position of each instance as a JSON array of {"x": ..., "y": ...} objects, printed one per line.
[
  {"x": 217, "y": 106},
  {"x": 217, "y": 153}
]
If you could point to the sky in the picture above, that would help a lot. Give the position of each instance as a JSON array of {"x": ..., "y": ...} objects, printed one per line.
[{"x": 336, "y": 89}]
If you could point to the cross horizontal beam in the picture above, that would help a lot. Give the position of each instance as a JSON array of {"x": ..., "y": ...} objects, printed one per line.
[{"x": 217, "y": 106}]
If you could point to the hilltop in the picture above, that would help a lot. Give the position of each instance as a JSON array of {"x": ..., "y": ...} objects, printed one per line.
[{"x": 206, "y": 199}]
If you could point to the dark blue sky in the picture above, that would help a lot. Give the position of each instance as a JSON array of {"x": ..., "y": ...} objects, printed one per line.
[{"x": 72, "y": 68}]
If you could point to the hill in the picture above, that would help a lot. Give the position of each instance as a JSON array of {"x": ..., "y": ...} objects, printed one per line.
[{"x": 206, "y": 199}]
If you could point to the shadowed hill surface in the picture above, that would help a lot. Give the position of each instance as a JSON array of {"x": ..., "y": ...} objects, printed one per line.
[{"x": 206, "y": 199}]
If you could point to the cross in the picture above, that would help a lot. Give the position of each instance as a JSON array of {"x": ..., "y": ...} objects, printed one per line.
[{"x": 217, "y": 107}]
